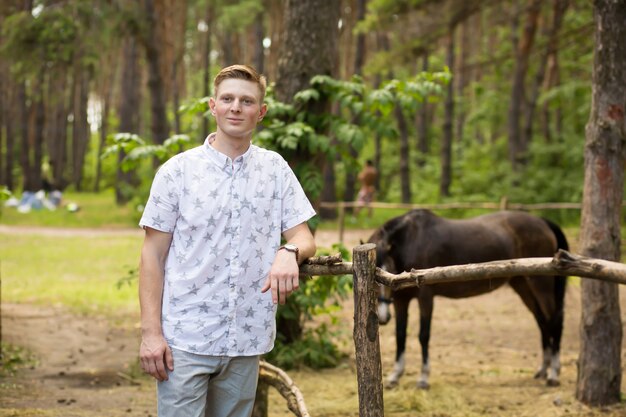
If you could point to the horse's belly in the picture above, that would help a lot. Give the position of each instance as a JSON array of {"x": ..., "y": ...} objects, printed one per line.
[{"x": 468, "y": 288}]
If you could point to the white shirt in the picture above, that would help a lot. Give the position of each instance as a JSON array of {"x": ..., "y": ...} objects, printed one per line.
[{"x": 227, "y": 217}]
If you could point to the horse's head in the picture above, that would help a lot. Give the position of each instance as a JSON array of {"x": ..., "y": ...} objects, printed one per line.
[{"x": 383, "y": 238}]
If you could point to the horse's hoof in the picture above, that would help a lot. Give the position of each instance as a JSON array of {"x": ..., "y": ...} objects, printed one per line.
[
  {"x": 391, "y": 384},
  {"x": 553, "y": 382},
  {"x": 423, "y": 385},
  {"x": 541, "y": 374}
]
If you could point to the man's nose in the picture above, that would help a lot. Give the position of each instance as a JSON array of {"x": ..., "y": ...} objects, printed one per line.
[{"x": 236, "y": 107}]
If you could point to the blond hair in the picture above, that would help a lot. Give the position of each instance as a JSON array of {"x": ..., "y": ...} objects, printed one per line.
[{"x": 241, "y": 72}]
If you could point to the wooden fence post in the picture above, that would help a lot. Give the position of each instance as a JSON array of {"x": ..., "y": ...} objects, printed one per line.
[
  {"x": 342, "y": 221},
  {"x": 366, "y": 343}
]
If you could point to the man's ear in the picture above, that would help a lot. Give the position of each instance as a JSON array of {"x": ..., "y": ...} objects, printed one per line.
[
  {"x": 212, "y": 105},
  {"x": 263, "y": 111}
]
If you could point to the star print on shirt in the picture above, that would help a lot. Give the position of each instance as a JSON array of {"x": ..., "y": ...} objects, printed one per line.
[
  {"x": 157, "y": 221},
  {"x": 256, "y": 285},
  {"x": 194, "y": 289}
]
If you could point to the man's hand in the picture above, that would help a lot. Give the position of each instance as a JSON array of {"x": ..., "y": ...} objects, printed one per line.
[
  {"x": 284, "y": 276},
  {"x": 155, "y": 356}
]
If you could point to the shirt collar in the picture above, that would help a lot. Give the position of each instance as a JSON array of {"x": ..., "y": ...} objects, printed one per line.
[{"x": 222, "y": 160}]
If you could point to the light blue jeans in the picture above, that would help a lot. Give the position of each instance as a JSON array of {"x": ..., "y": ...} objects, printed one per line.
[{"x": 208, "y": 386}]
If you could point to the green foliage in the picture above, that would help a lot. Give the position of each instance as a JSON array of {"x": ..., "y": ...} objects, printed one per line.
[
  {"x": 12, "y": 358},
  {"x": 31, "y": 42},
  {"x": 316, "y": 349},
  {"x": 320, "y": 296}
]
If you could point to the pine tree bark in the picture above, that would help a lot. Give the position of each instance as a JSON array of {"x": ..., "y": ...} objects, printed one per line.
[
  {"x": 423, "y": 144},
  {"x": 599, "y": 364},
  {"x": 550, "y": 53},
  {"x": 517, "y": 146},
  {"x": 56, "y": 136},
  {"x": 80, "y": 130},
  {"x": 156, "y": 81},
  {"x": 350, "y": 188},
  {"x": 405, "y": 155},
  {"x": 446, "y": 141},
  {"x": 129, "y": 105},
  {"x": 106, "y": 92},
  {"x": 206, "y": 62}
]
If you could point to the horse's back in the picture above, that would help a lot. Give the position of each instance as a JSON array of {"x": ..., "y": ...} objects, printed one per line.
[{"x": 490, "y": 237}]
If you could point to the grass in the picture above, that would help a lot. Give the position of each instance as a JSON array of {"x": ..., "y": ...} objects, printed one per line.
[{"x": 79, "y": 272}]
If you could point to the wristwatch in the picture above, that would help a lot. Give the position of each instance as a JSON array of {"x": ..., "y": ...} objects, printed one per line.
[{"x": 291, "y": 248}]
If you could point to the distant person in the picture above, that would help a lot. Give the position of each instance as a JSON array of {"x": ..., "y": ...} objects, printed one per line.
[
  {"x": 367, "y": 178},
  {"x": 212, "y": 265}
]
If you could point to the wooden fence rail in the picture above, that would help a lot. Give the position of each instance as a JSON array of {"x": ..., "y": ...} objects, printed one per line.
[{"x": 367, "y": 277}]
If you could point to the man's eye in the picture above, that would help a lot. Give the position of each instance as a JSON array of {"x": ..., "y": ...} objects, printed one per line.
[
  {"x": 247, "y": 101},
  {"x": 226, "y": 98}
]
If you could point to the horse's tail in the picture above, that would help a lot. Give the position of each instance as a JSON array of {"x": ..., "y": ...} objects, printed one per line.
[{"x": 560, "y": 281}]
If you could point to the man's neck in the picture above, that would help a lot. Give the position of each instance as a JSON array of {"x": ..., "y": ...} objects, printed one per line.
[{"x": 231, "y": 147}]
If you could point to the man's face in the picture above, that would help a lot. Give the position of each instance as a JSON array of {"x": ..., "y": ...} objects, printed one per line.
[{"x": 237, "y": 107}]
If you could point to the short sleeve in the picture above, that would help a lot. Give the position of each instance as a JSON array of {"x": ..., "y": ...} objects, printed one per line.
[
  {"x": 296, "y": 207},
  {"x": 162, "y": 207}
]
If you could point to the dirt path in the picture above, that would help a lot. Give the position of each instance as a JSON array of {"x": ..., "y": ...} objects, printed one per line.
[
  {"x": 484, "y": 351},
  {"x": 84, "y": 368}
]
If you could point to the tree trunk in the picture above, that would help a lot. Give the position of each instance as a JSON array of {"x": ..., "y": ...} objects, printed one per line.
[
  {"x": 309, "y": 48},
  {"x": 277, "y": 26},
  {"x": 462, "y": 81},
  {"x": 80, "y": 130},
  {"x": 359, "y": 59},
  {"x": 24, "y": 110},
  {"x": 206, "y": 63},
  {"x": 108, "y": 81},
  {"x": 446, "y": 140},
  {"x": 559, "y": 8},
  {"x": 179, "y": 22},
  {"x": 423, "y": 145},
  {"x": 599, "y": 364},
  {"x": 517, "y": 144},
  {"x": 128, "y": 110},
  {"x": 328, "y": 192},
  {"x": 56, "y": 137},
  {"x": 405, "y": 157},
  {"x": 39, "y": 124},
  {"x": 258, "y": 57},
  {"x": 7, "y": 96},
  {"x": 156, "y": 83},
  {"x": 3, "y": 93}
]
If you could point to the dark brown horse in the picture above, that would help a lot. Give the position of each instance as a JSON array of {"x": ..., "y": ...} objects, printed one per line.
[{"x": 419, "y": 239}]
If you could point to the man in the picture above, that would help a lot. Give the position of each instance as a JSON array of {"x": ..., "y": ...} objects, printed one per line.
[
  {"x": 367, "y": 177},
  {"x": 212, "y": 269}
]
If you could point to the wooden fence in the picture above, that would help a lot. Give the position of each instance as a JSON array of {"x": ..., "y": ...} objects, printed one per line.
[
  {"x": 504, "y": 204},
  {"x": 367, "y": 277}
]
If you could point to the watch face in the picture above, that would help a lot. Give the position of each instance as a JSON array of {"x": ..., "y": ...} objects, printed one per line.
[{"x": 291, "y": 247}]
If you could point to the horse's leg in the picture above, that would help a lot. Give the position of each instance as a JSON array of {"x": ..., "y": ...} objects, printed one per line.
[
  {"x": 550, "y": 296},
  {"x": 541, "y": 304},
  {"x": 426, "y": 315},
  {"x": 401, "y": 305}
]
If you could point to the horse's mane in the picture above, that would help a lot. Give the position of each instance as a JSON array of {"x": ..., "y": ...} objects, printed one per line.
[{"x": 420, "y": 217}]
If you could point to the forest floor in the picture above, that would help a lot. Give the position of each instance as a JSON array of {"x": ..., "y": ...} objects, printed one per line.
[{"x": 484, "y": 351}]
